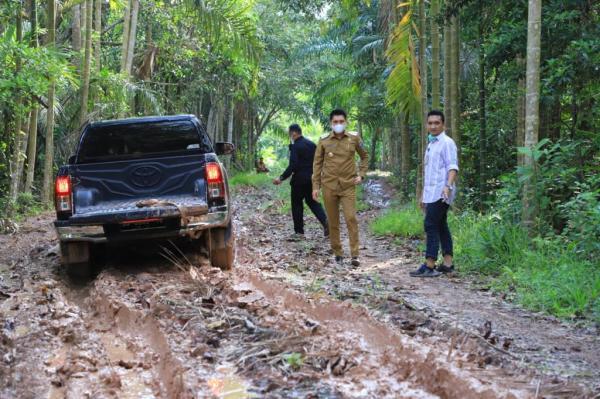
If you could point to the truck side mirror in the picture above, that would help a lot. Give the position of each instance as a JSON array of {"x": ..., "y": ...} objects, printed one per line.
[
  {"x": 224, "y": 148},
  {"x": 71, "y": 160}
]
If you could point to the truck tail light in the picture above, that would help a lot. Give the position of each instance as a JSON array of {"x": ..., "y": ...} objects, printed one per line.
[
  {"x": 63, "y": 194},
  {"x": 214, "y": 180}
]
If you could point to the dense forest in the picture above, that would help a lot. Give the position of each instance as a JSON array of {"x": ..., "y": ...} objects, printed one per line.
[{"x": 519, "y": 82}]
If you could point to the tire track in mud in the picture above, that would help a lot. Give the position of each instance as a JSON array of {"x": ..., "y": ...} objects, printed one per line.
[
  {"x": 284, "y": 323},
  {"x": 303, "y": 268}
]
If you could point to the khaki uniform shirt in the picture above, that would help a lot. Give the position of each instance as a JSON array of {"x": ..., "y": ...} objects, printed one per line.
[{"x": 335, "y": 166}]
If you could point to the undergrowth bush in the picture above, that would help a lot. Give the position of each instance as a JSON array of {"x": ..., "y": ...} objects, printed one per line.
[
  {"x": 543, "y": 274},
  {"x": 404, "y": 222}
]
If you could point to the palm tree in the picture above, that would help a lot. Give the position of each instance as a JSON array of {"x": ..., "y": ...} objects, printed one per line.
[
  {"x": 87, "y": 62},
  {"x": 49, "y": 155},
  {"x": 435, "y": 54},
  {"x": 532, "y": 117}
]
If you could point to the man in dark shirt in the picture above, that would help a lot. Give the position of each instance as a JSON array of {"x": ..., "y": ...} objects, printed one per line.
[{"x": 300, "y": 167}]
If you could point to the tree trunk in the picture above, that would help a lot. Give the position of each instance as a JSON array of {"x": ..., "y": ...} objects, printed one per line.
[
  {"x": 520, "y": 139},
  {"x": 76, "y": 34},
  {"x": 31, "y": 150},
  {"x": 97, "y": 46},
  {"x": 230, "y": 121},
  {"x": 424, "y": 107},
  {"x": 534, "y": 27},
  {"x": 132, "y": 33},
  {"x": 455, "y": 81},
  {"x": 98, "y": 29},
  {"x": 33, "y": 120},
  {"x": 85, "y": 88},
  {"x": 49, "y": 155},
  {"x": 126, "y": 23},
  {"x": 482, "y": 112},
  {"x": 447, "y": 77},
  {"x": 405, "y": 151},
  {"x": 373, "y": 155},
  {"x": 83, "y": 19},
  {"x": 210, "y": 122},
  {"x": 435, "y": 54},
  {"x": 15, "y": 175}
]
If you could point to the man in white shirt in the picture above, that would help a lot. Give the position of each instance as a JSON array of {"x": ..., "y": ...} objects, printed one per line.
[{"x": 440, "y": 171}]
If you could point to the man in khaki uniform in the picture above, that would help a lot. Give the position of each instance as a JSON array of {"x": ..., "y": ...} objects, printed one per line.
[{"x": 335, "y": 171}]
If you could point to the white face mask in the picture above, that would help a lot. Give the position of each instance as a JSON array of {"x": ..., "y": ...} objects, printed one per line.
[{"x": 340, "y": 128}]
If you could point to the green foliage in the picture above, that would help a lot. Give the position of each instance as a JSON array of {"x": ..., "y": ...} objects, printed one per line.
[
  {"x": 26, "y": 205},
  {"x": 542, "y": 274},
  {"x": 294, "y": 360},
  {"x": 404, "y": 222},
  {"x": 250, "y": 179}
]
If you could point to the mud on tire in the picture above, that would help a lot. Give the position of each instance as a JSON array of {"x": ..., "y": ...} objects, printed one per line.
[
  {"x": 76, "y": 257},
  {"x": 220, "y": 243}
]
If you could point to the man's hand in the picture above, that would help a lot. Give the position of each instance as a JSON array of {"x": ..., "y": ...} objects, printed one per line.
[
  {"x": 423, "y": 206},
  {"x": 277, "y": 181},
  {"x": 357, "y": 180},
  {"x": 446, "y": 193},
  {"x": 316, "y": 195}
]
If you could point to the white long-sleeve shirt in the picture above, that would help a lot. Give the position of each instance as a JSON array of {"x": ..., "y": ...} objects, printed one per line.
[{"x": 440, "y": 158}]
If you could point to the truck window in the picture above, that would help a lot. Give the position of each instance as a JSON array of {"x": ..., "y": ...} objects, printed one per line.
[{"x": 128, "y": 141}]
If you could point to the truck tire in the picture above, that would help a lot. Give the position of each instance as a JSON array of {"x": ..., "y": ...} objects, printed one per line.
[
  {"x": 221, "y": 246},
  {"x": 76, "y": 257}
]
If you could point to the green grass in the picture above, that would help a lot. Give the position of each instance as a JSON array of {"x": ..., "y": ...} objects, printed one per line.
[
  {"x": 404, "y": 222},
  {"x": 547, "y": 275},
  {"x": 249, "y": 179}
]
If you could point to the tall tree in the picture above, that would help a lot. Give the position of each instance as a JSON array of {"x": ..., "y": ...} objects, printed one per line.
[
  {"x": 455, "y": 80},
  {"x": 435, "y": 54},
  {"x": 135, "y": 8},
  {"x": 532, "y": 109},
  {"x": 87, "y": 62},
  {"x": 15, "y": 175},
  {"x": 520, "y": 106},
  {"x": 424, "y": 103},
  {"x": 482, "y": 101},
  {"x": 125, "y": 43},
  {"x": 447, "y": 76},
  {"x": 49, "y": 153},
  {"x": 33, "y": 120}
]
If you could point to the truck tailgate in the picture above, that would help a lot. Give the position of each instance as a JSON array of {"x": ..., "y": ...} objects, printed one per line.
[{"x": 117, "y": 211}]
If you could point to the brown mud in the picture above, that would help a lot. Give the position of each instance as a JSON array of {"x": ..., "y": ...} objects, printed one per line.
[{"x": 158, "y": 322}]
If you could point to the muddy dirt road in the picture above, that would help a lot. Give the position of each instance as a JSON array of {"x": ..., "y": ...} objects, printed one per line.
[{"x": 285, "y": 323}]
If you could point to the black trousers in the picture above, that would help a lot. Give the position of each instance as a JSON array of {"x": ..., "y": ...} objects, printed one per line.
[
  {"x": 436, "y": 229},
  {"x": 302, "y": 192}
]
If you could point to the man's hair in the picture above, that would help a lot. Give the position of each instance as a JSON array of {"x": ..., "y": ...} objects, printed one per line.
[
  {"x": 338, "y": 111},
  {"x": 435, "y": 112},
  {"x": 295, "y": 128}
]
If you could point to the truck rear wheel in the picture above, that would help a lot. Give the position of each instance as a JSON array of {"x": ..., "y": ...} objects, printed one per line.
[
  {"x": 221, "y": 246},
  {"x": 76, "y": 257}
]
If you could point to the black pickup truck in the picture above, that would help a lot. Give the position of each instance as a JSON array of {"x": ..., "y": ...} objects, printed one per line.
[{"x": 142, "y": 179}]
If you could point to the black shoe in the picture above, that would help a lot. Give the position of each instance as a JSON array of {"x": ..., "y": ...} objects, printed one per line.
[
  {"x": 326, "y": 231},
  {"x": 424, "y": 271},
  {"x": 445, "y": 269},
  {"x": 355, "y": 261},
  {"x": 339, "y": 259}
]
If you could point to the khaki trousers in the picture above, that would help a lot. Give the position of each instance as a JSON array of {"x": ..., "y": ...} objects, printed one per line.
[{"x": 347, "y": 199}]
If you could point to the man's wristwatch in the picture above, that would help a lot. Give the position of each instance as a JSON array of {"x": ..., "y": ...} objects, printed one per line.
[{"x": 449, "y": 187}]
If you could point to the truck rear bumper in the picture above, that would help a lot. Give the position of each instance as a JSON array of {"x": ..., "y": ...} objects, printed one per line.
[{"x": 96, "y": 233}]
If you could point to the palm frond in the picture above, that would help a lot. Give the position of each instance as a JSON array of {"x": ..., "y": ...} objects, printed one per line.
[
  {"x": 403, "y": 82},
  {"x": 227, "y": 21}
]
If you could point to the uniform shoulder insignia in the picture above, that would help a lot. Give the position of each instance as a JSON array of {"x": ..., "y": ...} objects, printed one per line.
[
  {"x": 353, "y": 134},
  {"x": 323, "y": 137}
]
